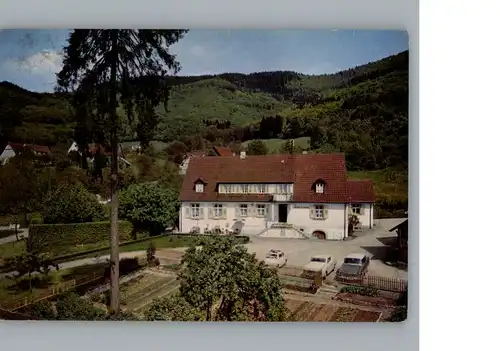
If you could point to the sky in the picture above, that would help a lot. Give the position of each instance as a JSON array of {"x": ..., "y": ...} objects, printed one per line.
[{"x": 31, "y": 58}]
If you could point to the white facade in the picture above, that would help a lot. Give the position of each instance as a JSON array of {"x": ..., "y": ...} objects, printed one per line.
[
  {"x": 7, "y": 154},
  {"x": 364, "y": 212},
  {"x": 299, "y": 219}
]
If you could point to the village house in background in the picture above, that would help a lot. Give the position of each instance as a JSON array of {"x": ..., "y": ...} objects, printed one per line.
[
  {"x": 215, "y": 151},
  {"x": 294, "y": 196},
  {"x": 95, "y": 149},
  {"x": 13, "y": 149}
]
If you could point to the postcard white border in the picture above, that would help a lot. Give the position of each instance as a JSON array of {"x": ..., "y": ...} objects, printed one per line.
[{"x": 348, "y": 14}]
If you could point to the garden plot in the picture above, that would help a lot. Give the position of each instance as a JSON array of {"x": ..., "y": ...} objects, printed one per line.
[
  {"x": 138, "y": 295},
  {"x": 309, "y": 311}
]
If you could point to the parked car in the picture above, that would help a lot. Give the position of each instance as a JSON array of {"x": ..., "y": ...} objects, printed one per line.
[
  {"x": 354, "y": 265},
  {"x": 321, "y": 263},
  {"x": 275, "y": 258}
]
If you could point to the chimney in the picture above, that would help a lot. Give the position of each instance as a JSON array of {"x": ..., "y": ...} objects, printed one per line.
[{"x": 243, "y": 155}]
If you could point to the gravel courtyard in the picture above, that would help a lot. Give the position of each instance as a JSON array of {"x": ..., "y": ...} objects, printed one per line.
[
  {"x": 372, "y": 241},
  {"x": 299, "y": 251}
]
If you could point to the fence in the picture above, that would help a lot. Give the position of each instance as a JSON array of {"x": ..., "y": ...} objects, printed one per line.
[
  {"x": 52, "y": 292},
  {"x": 296, "y": 278},
  {"x": 381, "y": 283}
]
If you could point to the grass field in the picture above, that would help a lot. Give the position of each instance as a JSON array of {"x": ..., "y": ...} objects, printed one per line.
[
  {"x": 18, "y": 247},
  {"x": 387, "y": 184},
  {"x": 274, "y": 145}
]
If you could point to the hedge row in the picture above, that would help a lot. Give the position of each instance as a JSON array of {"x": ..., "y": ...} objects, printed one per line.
[
  {"x": 56, "y": 238},
  {"x": 240, "y": 239}
]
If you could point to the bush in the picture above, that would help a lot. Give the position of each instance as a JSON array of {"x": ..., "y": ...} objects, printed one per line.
[
  {"x": 149, "y": 206},
  {"x": 126, "y": 266},
  {"x": 360, "y": 290},
  {"x": 56, "y": 238},
  {"x": 36, "y": 218},
  {"x": 72, "y": 203}
]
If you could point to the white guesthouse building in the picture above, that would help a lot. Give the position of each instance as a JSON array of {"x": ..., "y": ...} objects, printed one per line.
[{"x": 296, "y": 196}]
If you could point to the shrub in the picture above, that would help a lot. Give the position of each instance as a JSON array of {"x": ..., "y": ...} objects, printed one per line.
[
  {"x": 72, "y": 203},
  {"x": 126, "y": 266},
  {"x": 360, "y": 290},
  {"x": 149, "y": 206},
  {"x": 36, "y": 218},
  {"x": 57, "y": 238}
]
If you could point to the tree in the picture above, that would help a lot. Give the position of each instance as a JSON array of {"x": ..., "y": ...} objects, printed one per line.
[
  {"x": 104, "y": 67},
  {"x": 72, "y": 203},
  {"x": 151, "y": 255},
  {"x": 257, "y": 147},
  {"x": 19, "y": 187},
  {"x": 289, "y": 147},
  {"x": 352, "y": 223},
  {"x": 176, "y": 151},
  {"x": 71, "y": 307},
  {"x": 29, "y": 263},
  {"x": 173, "y": 308},
  {"x": 149, "y": 206},
  {"x": 222, "y": 281}
]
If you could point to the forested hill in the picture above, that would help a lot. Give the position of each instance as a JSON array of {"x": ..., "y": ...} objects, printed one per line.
[{"x": 362, "y": 111}]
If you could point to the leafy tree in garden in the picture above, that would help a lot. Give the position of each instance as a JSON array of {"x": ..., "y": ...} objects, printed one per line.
[
  {"x": 19, "y": 187},
  {"x": 149, "y": 206},
  {"x": 289, "y": 147},
  {"x": 71, "y": 307},
  {"x": 221, "y": 281},
  {"x": 43, "y": 310},
  {"x": 29, "y": 263},
  {"x": 176, "y": 151},
  {"x": 173, "y": 308},
  {"x": 257, "y": 147},
  {"x": 72, "y": 203},
  {"x": 105, "y": 67}
]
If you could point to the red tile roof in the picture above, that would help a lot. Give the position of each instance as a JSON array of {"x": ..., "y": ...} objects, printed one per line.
[
  {"x": 223, "y": 151},
  {"x": 361, "y": 190},
  {"x": 301, "y": 170},
  {"x": 37, "y": 148}
]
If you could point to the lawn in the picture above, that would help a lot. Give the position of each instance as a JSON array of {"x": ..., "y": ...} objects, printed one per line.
[
  {"x": 274, "y": 145},
  {"x": 12, "y": 249},
  {"x": 11, "y": 290}
]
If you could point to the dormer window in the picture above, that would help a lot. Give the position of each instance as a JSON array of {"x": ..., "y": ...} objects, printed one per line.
[
  {"x": 199, "y": 187},
  {"x": 319, "y": 186}
]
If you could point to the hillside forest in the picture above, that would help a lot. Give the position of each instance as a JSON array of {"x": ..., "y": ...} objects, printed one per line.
[{"x": 362, "y": 112}]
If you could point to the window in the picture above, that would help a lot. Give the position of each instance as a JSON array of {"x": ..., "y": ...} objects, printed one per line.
[
  {"x": 243, "y": 210},
  {"x": 199, "y": 188},
  {"x": 319, "y": 211},
  {"x": 281, "y": 188},
  {"x": 320, "y": 188},
  {"x": 244, "y": 188},
  {"x": 261, "y": 210},
  {"x": 195, "y": 210},
  {"x": 217, "y": 210},
  {"x": 261, "y": 188},
  {"x": 356, "y": 208}
]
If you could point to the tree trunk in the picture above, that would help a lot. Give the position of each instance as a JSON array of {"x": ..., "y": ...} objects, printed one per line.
[
  {"x": 15, "y": 229},
  {"x": 114, "y": 242}
]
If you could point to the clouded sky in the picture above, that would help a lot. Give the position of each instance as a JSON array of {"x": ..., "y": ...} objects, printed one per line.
[{"x": 30, "y": 58}]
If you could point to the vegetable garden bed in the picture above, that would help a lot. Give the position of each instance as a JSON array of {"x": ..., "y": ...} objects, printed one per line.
[
  {"x": 308, "y": 311},
  {"x": 376, "y": 301}
]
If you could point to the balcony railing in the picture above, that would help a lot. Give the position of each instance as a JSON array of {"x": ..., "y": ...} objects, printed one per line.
[{"x": 282, "y": 197}]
